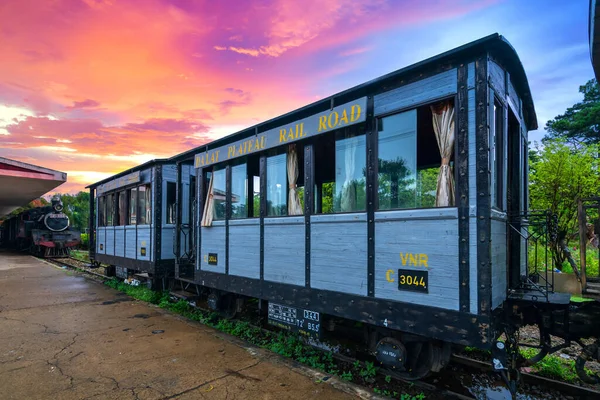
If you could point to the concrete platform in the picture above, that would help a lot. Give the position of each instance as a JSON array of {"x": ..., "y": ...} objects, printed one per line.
[{"x": 64, "y": 336}]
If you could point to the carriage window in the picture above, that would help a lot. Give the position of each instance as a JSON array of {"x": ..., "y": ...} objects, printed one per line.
[
  {"x": 110, "y": 209},
  {"x": 340, "y": 173},
  {"x": 122, "y": 209},
  {"x": 132, "y": 206},
  {"x": 398, "y": 161},
  {"x": 416, "y": 149},
  {"x": 101, "y": 211},
  {"x": 145, "y": 204},
  {"x": 219, "y": 191},
  {"x": 277, "y": 185},
  {"x": 239, "y": 191},
  {"x": 171, "y": 203},
  {"x": 497, "y": 155}
]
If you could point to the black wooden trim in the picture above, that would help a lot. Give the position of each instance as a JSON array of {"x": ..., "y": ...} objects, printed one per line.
[
  {"x": 157, "y": 210},
  {"x": 309, "y": 183},
  {"x": 452, "y": 326},
  {"x": 263, "y": 211},
  {"x": 92, "y": 224},
  {"x": 137, "y": 218},
  {"x": 484, "y": 276},
  {"x": 164, "y": 268},
  {"x": 178, "y": 207},
  {"x": 227, "y": 214},
  {"x": 371, "y": 130},
  {"x": 201, "y": 201},
  {"x": 462, "y": 187}
]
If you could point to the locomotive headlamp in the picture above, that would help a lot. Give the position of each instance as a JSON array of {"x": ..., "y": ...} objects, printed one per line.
[{"x": 57, "y": 204}]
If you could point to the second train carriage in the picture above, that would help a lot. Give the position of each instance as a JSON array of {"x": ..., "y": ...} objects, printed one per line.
[{"x": 132, "y": 223}]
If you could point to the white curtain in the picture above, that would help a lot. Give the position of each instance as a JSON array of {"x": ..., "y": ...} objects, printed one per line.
[
  {"x": 209, "y": 205},
  {"x": 294, "y": 206},
  {"x": 148, "y": 198},
  {"x": 348, "y": 201},
  {"x": 443, "y": 126}
]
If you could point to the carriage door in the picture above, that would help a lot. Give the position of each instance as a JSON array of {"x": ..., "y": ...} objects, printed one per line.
[{"x": 516, "y": 181}]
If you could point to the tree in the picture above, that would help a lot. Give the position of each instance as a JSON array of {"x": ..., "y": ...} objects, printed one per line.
[
  {"x": 580, "y": 124},
  {"x": 77, "y": 208},
  {"x": 561, "y": 175}
]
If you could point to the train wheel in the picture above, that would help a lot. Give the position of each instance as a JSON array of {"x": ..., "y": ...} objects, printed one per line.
[
  {"x": 591, "y": 353},
  {"x": 421, "y": 357}
]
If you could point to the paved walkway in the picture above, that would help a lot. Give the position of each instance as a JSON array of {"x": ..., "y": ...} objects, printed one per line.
[{"x": 63, "y": 336}]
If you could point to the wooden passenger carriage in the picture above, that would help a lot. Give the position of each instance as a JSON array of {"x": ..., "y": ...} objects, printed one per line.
[
  {"x": 132, "y": 221},
  {"x": 385, "y": 204},
  {"x": 390, "y": 258}
]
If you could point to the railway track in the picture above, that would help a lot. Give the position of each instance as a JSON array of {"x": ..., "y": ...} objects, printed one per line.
[{"x": 450, "y": 383}]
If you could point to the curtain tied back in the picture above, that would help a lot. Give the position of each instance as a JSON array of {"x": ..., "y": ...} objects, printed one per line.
[{"x": 443, "y": 127}]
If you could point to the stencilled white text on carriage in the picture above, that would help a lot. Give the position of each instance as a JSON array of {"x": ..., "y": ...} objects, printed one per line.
[{"x": 414, "y": 259}]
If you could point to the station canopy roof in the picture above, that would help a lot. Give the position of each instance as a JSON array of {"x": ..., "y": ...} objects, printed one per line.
[{"x": 21, "y": 183}]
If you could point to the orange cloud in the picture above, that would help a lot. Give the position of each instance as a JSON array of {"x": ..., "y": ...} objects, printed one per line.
[{"x": 108, "y": 84}]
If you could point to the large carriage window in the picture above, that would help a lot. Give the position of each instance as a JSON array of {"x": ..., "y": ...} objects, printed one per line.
[
  {"x": 171, "y": 200},
  {"x": 122, "y": 209},
  {"x": 239, "y": 190},
  {"x": 276, "y": 185},
  {"x": 219, "y": 191},
  {"x": 414, "y": 172},
  {"x": 398, "y": 161},
  {"x": 340, "y": 173},
  {"x": 145, "y": 203},
  {"x": 101, "y": 211},
  {"x": 110, "y": 209},
  {"x": 132, "y": 206}
]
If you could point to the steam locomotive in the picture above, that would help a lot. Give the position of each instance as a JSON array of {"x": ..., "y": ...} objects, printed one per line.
[{"x": 43, "y": 231}]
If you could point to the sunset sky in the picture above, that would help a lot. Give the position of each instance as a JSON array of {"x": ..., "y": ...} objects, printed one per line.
[{"x": 93, "y": 87}]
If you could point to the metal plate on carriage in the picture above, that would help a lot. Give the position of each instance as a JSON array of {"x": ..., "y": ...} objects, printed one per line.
[
  {"x": 413, "y": 280},
  {"x": 305, "y": 322}
]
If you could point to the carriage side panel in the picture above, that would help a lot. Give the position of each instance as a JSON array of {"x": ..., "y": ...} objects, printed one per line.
[
  {"x": 338, "y": 254},
  {"x": 284, "y": 250},
  {"x": 414, "y": 243}
]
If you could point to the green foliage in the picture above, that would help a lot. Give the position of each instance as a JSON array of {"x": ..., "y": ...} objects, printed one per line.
[
  {"x": 85, "y": 241},
  {"x": 369, "y": 371},
  {"x": 77, "y": 208},
  {"x": 580, "y": 124},
  {"x": 552, "y": 366},
  {"x": 80, "y": 255},
  {"x": 560, "y": 175},
  {"x": 347, "y": 376}
]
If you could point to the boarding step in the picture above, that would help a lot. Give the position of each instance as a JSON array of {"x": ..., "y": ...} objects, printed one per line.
[
  {"x": 593, "y": 288},
  {"x": 183, "y": 295}
]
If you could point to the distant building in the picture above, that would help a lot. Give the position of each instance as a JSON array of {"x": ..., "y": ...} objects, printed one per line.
[{"x": 594, "y": 35}]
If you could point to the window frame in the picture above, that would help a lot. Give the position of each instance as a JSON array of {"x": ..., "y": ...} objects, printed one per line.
[
  {"x": 415, "y": 106},
  {"x": 498, "y": 187},
  {"x": 167, "y": 203}
]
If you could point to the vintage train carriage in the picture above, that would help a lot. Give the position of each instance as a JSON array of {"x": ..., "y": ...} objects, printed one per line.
[
  {"x": 134, "y": 222},
  {"x": 385, "y": 204}
]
